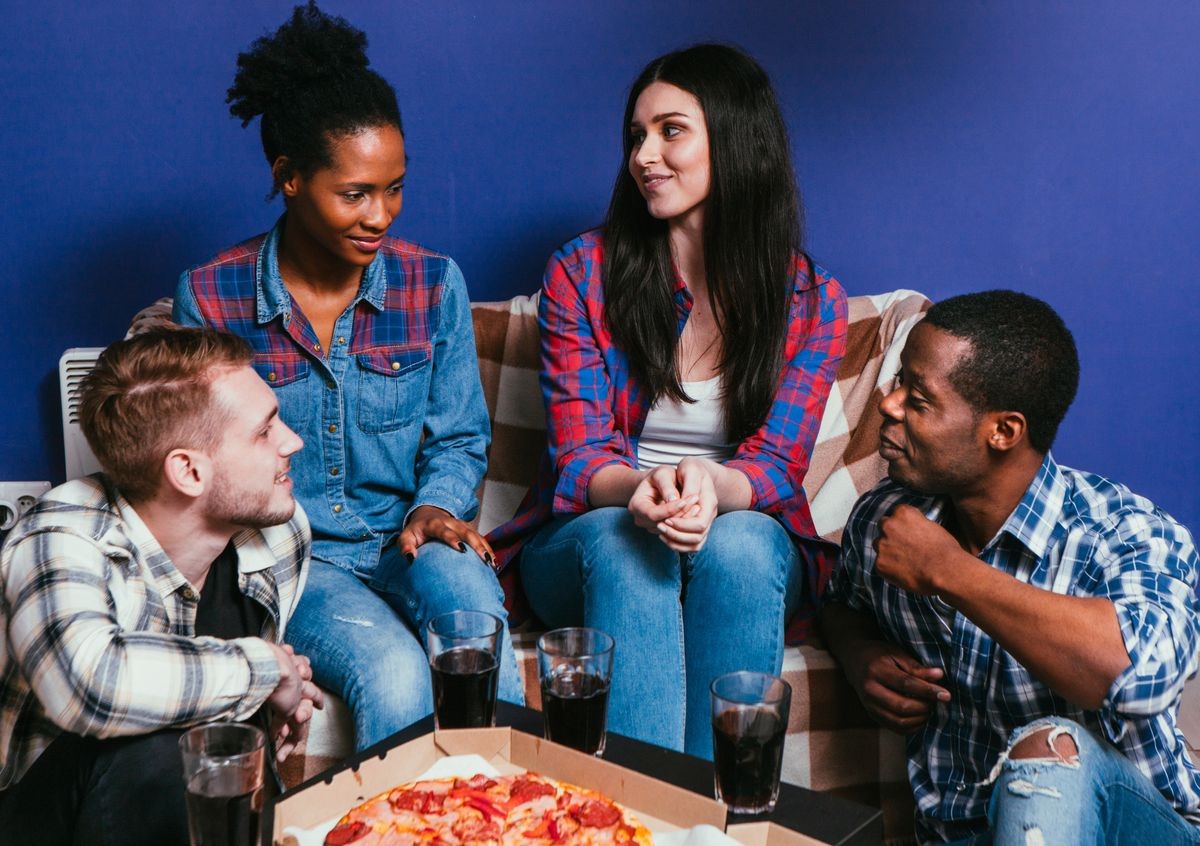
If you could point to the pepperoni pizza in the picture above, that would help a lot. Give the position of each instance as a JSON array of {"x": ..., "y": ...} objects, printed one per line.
[{"x": 518, "y": 810}]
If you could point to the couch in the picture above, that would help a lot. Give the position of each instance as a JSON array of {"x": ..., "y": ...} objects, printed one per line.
[{"x": 832, "y": 744}]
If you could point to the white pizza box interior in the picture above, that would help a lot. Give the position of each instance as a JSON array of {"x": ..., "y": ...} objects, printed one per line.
[{"x": 660, "y": 806}]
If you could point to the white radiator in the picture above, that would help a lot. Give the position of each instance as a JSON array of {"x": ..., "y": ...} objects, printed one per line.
[{"x": 75, "y": 363}]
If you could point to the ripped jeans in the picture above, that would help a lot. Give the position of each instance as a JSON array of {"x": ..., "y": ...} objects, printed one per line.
[{"x": 1095, "y": 797}]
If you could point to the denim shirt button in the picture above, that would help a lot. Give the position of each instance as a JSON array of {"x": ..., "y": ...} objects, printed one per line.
[
  {"x": 333, "y": 471},
  {"x": 271, "y": 376},
  {"x": 337, "y": 509},
  {"x": 332, "y": 428},
  {"x": 395, "y": 365}
]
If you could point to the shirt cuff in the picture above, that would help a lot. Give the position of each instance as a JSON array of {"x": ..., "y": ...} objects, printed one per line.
[
  {"x": 264, "y": 675},
  {"x": 763, "y": 488},
  {"x": 571, "y": 489},
  {"x": 438, "y": 499}
]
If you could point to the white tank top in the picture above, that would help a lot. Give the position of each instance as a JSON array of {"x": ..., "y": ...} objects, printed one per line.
[{"x": 675, "y": 430}]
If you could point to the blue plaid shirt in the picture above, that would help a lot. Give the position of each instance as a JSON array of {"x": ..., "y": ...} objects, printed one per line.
[{"x": 1075, "y": 534}]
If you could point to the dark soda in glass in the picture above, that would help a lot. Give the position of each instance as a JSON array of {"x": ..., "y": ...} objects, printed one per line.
[
  {"x": 464, "y": 688},
  {"x": 220, "y": 810},
  {"x": 575, "y": 706},
  {"x": 747, "y": 758}
]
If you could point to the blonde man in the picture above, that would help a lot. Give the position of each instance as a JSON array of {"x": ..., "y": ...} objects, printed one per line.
[{"x": 151, "y": 597}]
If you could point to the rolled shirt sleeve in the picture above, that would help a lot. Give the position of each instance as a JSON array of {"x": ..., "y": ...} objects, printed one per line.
[
  {"x": 1150, "y": 571},
  {"x": 775, "y": 459},
  {"x": 575, "y": 383},
  {"x": 95, "y": 677}
]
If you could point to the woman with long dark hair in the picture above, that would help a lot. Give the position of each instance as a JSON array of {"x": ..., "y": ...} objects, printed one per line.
[
  {"x": 688, "y": 349},
  {"x": 368, "y": 344}
]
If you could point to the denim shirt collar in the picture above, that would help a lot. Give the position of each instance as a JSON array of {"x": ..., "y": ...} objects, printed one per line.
[{"x": 273, "y": 298}]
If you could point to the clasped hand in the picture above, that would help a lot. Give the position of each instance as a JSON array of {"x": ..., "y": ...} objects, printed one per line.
[
  {"x": 292, "y": 702},
  {"x": 677, "y": 503}
]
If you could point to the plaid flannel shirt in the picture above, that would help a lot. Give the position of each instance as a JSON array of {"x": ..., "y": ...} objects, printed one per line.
[
  {"x": 1075, "y": 534},
  {"x": 99, "y": 626},
  {"x": 595, "y": 410}
]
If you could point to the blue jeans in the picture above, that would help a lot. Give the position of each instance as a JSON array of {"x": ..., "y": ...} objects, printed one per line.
[
  {"x": 1101, "y": 798},
  {"x": 365, "y": 634},
  {"x": 679, "y": 621}
]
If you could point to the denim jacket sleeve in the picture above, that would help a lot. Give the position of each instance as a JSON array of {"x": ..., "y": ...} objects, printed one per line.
[
  {"x": 453, "y": 454},
  {"x": 184, "y": 309}
]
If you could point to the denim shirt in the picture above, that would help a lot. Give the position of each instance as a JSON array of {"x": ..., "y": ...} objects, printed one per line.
[{"x": 392, "y": 417}]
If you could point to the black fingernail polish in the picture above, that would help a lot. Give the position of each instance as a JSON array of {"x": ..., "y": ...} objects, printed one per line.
[
  {"x": 462, "y": 547},
  {"x": 411, "y": 558},
  {"x": 490, "y": 560}
]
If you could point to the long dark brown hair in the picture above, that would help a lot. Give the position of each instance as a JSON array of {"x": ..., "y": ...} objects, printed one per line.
[{"x": 752, "y": 237}]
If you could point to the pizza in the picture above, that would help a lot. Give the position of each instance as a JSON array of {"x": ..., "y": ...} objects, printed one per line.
[{"x": 514, "y": 810}]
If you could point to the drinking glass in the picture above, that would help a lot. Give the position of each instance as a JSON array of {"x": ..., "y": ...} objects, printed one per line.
[
  {"x": 464, "y": 665},
  {"x": 575, "y": 668},
  {"x": 223, "y": 770},
  {"x": 749, "y": 720}
]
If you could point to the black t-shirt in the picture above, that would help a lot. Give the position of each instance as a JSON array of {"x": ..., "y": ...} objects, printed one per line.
[{"x": 225, "y": 612}]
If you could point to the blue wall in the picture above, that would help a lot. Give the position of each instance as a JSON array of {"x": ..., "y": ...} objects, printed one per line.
[{"x": 947, "y": 147}]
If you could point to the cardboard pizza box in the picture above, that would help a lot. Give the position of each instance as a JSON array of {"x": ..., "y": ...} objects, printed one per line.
[
  {"x": 769, "y": 834},
  {"x": 660, "y": 806}
]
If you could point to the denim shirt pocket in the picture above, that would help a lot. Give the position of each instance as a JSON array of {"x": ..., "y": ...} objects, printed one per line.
[
  {"x": 287, "y": 374},
  {"x": 393, "y": 387}
]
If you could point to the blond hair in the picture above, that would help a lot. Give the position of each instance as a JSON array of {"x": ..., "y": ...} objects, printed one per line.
[{"x": 151, "y": 394}]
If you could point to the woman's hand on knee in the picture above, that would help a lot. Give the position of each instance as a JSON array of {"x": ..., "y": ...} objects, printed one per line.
[
  {"x": 688, "y": 530},
  {"x": 430, "y": 523},
  {"x": 658, "y": 498}
]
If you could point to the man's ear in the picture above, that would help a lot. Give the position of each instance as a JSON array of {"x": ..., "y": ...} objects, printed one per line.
[
  {"x": 285, "y": 177},
  {"x": 187, "y": 471},
  {"x": 1006, "y": 430}
]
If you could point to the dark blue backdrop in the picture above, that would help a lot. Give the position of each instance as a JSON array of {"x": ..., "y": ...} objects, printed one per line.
[{"x": 946, "y": 147}]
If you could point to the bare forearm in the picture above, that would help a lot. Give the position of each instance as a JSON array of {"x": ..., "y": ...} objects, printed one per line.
[
  {"x": 733, "y": 489},
  {"x": 613, "y": 485},
  {"x": 1072, "y": 644}
]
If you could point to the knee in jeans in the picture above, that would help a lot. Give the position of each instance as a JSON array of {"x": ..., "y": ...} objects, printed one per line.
[
  {"x": 745, "y": 543},
  {"x": 1032, "y": 750},
  {"x": 1051, "y": 743}
]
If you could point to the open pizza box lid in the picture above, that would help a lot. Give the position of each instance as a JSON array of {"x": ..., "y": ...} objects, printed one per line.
[
  {"x": 769, "y": 834},
  {"x": 660, "y": 806}
]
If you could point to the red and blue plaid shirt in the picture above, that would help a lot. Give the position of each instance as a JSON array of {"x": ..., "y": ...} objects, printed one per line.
[{"x": 596, "y": 411}]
